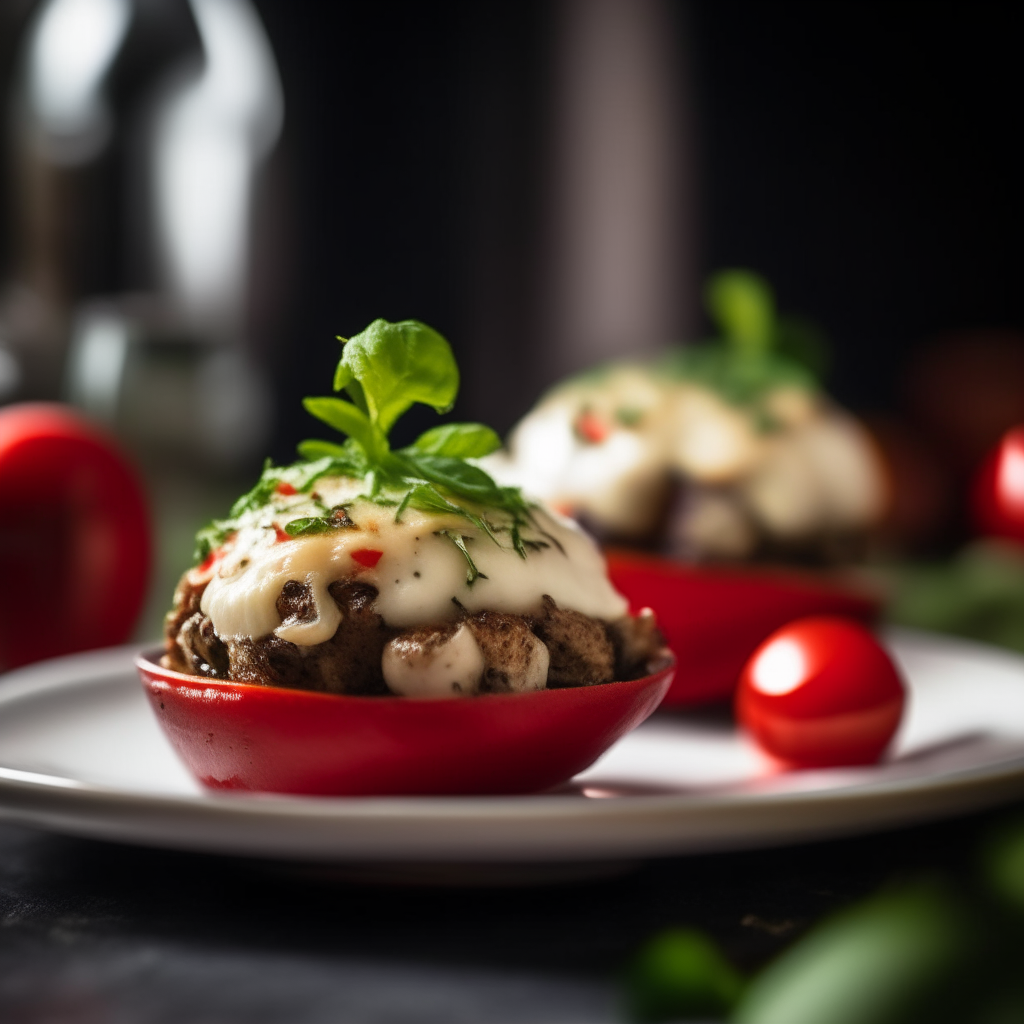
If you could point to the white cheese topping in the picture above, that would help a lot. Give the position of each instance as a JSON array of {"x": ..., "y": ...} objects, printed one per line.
[
  {"x": 453, "y": 668},
  {"x": 419, "y": 572}
]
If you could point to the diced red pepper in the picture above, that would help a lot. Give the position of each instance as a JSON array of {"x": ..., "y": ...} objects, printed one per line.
[
  {"x": 216, "y": 554},
  {"x": 280, "y": 534},
  {"x": 367, "y": 556},
  {"x": 285, "y": 488},
  {"x": 592, "y": 428}
]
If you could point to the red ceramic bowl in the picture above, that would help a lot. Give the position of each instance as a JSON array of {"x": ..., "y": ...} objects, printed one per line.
[
  {"x": 240, "y": 736},
  {"x": 714, "y": 618}
]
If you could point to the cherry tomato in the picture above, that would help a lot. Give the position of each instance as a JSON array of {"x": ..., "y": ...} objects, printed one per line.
[
  {"x": 74, "y": 536},
  {"x": 998, "y": 493},
  {"x": 821, "y": 691},
  {"x": 241, "y": 736},
  {"x": 714, "y": 618}
]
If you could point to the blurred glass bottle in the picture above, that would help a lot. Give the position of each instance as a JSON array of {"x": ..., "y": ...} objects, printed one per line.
[
  {"x": 139, "y": 127},
  {"x": 139, "y": 132}
]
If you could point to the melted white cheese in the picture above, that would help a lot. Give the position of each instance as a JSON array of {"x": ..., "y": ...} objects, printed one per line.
[
  {"x": 420, "y": 575},
  {"x": 450, "y": 669}
]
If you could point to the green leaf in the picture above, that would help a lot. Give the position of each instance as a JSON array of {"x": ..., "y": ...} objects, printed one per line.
[
  {"x": 472, "y": 572},
  {"x": 743, "y": 306},
  {"x": 681, "y": 974},
  {"x": 343, "y": 372},
  {"x": 739, "y": 378},
  {"x": 424, "y": 498},
  {"x": 349, "y": 419},
  {"x": 308, "y": 526},
  {"x": 459, "y": 477},
  {"x": 397, "y": 364},
  {"x": 458, "y": 440},
  {"x": 316, "y": 449},
  {"x": 338, "y": 519},
  {"x": 884, "y": 961}
]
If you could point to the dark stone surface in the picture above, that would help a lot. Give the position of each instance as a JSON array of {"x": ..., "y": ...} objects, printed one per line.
[{"x": 95, "y": 932}]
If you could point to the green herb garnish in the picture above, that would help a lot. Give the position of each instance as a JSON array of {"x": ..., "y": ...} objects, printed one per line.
[
  {"x": 757, "y": 351},
  {"x": 383, "y": 372},
  {"x": 472, "y": 572}
]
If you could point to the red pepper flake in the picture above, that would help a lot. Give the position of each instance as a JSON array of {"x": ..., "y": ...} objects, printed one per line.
[
  {"x": 591, "y": 428},
  {"x": 216, "y": 554},
  {"x": 280, "y": 534},
  {"x": 367, "y": 556},
  {"x": 285, "y": 488}
]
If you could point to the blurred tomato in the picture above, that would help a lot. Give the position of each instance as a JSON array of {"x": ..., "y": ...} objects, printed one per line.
[
  {"x": 997, "y": 497},
  {"x": 821, "y": 691},
  {"x": 74, "y": 536}
]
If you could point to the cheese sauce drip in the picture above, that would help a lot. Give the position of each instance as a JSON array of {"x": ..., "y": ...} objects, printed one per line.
[{"x": 419, "y": 575}]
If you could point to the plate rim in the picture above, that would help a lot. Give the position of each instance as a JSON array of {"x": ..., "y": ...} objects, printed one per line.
[{"x": 334, "y": 827}]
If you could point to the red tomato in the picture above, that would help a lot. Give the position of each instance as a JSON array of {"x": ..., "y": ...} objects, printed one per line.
[
  {"x": 821, "y": 691},
  {"x": 74, "y": 536},
  {"x": 240, "y": 736},
  {"x": 998, "y": 492}
]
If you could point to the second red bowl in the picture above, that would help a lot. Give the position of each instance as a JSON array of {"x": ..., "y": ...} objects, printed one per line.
[{"x": 714, "y": 618}]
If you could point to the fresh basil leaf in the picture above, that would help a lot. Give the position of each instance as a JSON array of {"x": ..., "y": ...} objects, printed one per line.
[
  {"x": 397, "y": 364},
  {"x": 424, "y": 498},
  {"x": 743, "y": 306},
  {"x": 458, "y": 440},
  {"x": 315, "y": 449},
  {"x": 349, "y": 419},
  {"x": 343, "y": 372},
  {"x": 456, "y": 475}
]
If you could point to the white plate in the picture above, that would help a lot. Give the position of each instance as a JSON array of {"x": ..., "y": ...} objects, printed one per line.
[{"x": 81, "y": 753}]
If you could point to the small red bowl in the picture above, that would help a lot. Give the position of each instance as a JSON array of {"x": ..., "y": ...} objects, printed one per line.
[
  {"x": 714, "y": 618},
  {"x": 269, "y": 739}
]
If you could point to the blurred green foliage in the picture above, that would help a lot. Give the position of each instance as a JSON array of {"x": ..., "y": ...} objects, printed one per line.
[
  {"x": 977, "y": 594},
  {"x": 926, "y": 952},
  {"x": 680, "y": 974}
]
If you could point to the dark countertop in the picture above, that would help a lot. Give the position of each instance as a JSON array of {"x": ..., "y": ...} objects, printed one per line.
[{"x": 96, "y": 933}]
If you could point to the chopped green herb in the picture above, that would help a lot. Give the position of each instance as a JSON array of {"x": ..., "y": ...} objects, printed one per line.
[
  {"x": 472, "y": 572},
  {"x": 338, "y": 519}
]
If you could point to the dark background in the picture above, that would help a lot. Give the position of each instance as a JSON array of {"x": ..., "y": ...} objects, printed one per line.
[{"x": 865, "y": 157}]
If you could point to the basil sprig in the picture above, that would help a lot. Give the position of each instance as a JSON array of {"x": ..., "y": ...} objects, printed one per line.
[
  {"x": 383, "y": 372},
  {"x": 757, "y": 350}
]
